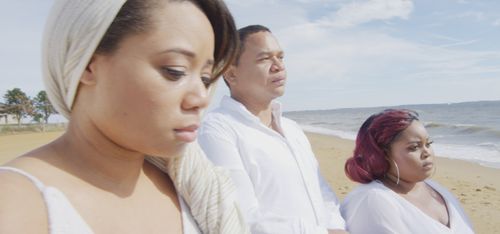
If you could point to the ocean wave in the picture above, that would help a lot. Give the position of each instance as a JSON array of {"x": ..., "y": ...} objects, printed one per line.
[
  {"x": 446, "y": 125},
  {"x": 342, "y": 134},
  {"x": 473, "y": 128},
  {"x": 464, "y": 129},
  {"x": 489, "y": 145},
  {"x": 434, "y": 125},
  {"x": 323, "y": 123},
  {"x": 481, "y": 155},
  {"x": 438, "y": 136}
]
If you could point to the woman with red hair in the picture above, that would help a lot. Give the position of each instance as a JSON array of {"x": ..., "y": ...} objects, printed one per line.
[{"x": 393, "y": 160}]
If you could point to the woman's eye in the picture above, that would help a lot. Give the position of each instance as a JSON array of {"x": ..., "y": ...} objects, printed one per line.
[
  {"x": 413, "y": 148},
  {"x": 429, "y": 144},
  {"x": 207, "y": 81},
  {"x": 173, "y": 74}
]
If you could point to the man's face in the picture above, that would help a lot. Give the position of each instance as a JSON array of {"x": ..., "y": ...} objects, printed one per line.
[{"x": 260, "y": 74}]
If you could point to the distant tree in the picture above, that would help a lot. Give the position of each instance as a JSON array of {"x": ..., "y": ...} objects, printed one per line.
[
  {"x": 18, "y": 104},
  {"x": 43, "y": 109}
]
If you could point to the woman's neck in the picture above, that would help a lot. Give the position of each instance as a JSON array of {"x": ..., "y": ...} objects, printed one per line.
[
  {"x": 400, "y": 185},
  {"x": 98, "y": 160}
]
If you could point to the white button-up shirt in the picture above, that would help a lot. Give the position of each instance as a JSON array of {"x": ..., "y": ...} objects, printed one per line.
[{"x": 280, "y": 188}]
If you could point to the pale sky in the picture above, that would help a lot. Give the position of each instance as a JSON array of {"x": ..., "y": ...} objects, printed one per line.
[{"x": 338, "y": 53}]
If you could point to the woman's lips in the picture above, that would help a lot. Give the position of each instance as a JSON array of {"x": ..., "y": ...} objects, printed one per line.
[{"x": 187, "y": 134}]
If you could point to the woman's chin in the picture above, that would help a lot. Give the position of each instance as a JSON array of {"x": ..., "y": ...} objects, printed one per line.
[{"x": 169, "y": 151}]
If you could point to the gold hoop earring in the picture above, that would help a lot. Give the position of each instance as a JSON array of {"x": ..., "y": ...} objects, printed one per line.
[{"x": 397, "y": 171}]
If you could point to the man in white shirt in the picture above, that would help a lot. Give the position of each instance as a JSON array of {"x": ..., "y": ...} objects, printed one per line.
[{"x": 280, "y": 189}]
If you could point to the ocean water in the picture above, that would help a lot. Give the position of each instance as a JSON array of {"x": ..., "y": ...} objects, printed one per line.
[{"x": 467, "y": 131}]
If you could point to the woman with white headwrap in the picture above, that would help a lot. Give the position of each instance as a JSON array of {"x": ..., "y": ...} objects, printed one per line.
[{"x": 132, "y": 77}]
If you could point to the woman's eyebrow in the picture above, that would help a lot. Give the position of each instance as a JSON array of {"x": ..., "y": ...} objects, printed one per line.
[
  {"x": 187, "y": 53},
  {"x": 179, "y": 50}
]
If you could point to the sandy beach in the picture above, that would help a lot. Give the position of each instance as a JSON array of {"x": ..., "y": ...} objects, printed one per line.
[
  {"x": 477, "y": 187},
  {"x": 18, "y": 144}
]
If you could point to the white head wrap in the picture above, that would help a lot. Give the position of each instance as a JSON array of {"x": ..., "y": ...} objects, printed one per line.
[{"x": 73, "y": 31}]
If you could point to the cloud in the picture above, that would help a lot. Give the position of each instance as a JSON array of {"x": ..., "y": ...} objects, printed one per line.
[
  {"x": 475, "y": 15},
  {"x": 345, "y": 63},
  {"x": 333, "y": 57},
  {"x": 460, "y": 43},
  {"x": 496, "y": 23},
  {"x": 273, "y": 14},
  {"x": 336, "y": 61},
  {"x": 317, "y": 52},
  {"x": 356, "y": 13}
]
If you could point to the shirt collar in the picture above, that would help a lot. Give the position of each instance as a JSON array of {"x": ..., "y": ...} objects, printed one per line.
[{"x": 232, "y": 105}]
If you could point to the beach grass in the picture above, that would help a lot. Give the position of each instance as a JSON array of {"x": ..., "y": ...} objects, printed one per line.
[{"x": 10, "y": 129}]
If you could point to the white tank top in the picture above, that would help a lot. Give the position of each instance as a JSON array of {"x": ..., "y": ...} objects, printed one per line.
[{"x": 63, "y": 217}]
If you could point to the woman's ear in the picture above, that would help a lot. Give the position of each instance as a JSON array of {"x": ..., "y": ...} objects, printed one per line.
[
  {"x": 386, "y": 152},
  {"x": 89, "y": 74}
]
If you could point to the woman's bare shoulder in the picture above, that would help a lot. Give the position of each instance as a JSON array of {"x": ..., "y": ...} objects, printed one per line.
[{"x": 21, "y": 203}]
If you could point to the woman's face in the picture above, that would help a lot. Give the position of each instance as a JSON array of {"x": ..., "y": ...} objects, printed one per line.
[
  {"x": 148, "y": 95},
  {"x": 413, "y": 154}
]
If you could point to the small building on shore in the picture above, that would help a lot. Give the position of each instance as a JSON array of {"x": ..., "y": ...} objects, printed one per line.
[{"x": 6, "y": 118}]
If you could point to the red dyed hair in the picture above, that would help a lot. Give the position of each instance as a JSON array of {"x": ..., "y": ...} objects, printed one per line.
[{"x": 369, "y": 161}]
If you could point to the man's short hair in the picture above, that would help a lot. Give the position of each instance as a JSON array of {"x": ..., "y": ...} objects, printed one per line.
[{"x": 243, "y": 34}]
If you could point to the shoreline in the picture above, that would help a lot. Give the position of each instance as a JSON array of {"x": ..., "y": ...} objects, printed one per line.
[
  {"x": 352, "y": 136},
  {"x": 476, "y": 187}
]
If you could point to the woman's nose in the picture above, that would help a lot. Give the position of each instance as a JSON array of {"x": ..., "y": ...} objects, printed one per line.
[
  {"x": 427, "y": 152},
  {"x": 197, "y": 97}
]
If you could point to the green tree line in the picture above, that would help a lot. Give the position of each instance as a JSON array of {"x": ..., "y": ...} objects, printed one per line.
[{"x": 17, "y": 103}]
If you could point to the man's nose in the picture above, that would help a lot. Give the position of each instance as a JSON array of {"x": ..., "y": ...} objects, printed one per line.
[{"x": 278, "y": 65}]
